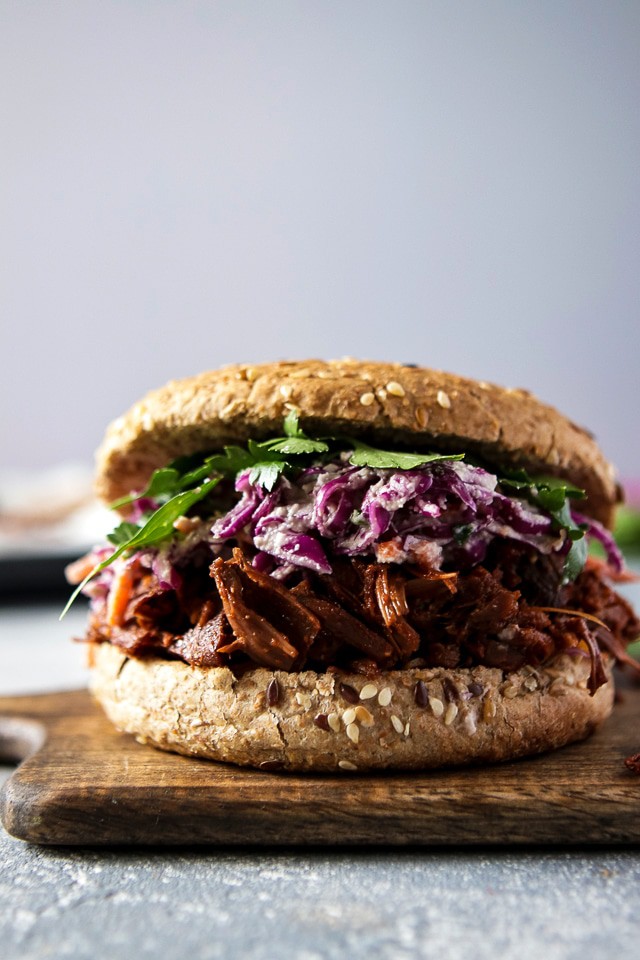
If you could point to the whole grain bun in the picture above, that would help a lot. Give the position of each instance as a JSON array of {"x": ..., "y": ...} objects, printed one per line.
[
  {"x": 409, "y": 719},
  {"x": 392, "y": 404}
]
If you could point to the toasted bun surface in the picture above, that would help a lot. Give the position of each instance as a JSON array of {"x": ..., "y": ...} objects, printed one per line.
[
  {"x": 210, "y": 713},
  {"x": 388, "y": 403}
]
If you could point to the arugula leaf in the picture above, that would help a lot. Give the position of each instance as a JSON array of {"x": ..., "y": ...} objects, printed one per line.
[
  {"x": 366, "y": 456},
  {"x": 164, "y": 480},
  {"x": 158, "y": 527}
]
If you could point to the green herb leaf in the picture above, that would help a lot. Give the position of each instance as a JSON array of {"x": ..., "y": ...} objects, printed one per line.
[
  {"x": 164, "y": 480},
  {"x": 366, "y": 456},
  {"x": 296, "y": 440},
  {"x": 266, "y": 474},
  {"x": 158, "y": 527},
  {"x": 291, "y": 424},
  {"x": 552, "y": 495},
  {"x": 123, "y": 533},
  {"x": 297, "y": 446},
  {"x": 231, "y": 462},
  {"x": 576, "y": 558},
  {"x": 462, "y": 532}
]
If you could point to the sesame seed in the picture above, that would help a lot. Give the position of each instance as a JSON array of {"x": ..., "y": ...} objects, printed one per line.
[
  {"x": 228, "y": 409},
  {"x": 395, "y": 389},
  {"x": 368, "y": 691},
  {"x": 488, "y": 710},
  {"x": 363, "y": 715},
  {"x": 334, "y": 722},
  {"x": 443, "y": 399},
  {"x": 470, "y": 724},
  {"x": 397, "y": 723},
  {"x": 381, "y": 393},
  {"x": 384, "y": 697},
  {"x": 353, "y": 732},
  {"x": 367, "y": 399},
  {"x": 437, "y": 706},
  {"x": 347, "y": 765},
  {"x": 349, "y": 716},
  {"x": 451, "y": 714},
  {"x": 407, "y": 728},
  {"x": 250, "y": 374},
  {"x": 286, "y": 390},
  {"x": 509, "y": 691},
  {"x": 422, "y": 417}
]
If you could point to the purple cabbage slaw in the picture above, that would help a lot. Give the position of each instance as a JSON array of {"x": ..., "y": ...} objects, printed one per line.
[{"x": 443, "y": 513}]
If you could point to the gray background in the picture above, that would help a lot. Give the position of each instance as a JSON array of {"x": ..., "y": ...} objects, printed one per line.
[{"x": 186, "y": 184}]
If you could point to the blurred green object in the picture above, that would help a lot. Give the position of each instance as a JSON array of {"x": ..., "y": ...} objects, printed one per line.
[{"x": 627, "y": 529}]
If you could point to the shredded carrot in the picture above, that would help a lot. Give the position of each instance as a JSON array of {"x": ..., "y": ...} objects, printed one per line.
[{"x": 119, "y": 595}]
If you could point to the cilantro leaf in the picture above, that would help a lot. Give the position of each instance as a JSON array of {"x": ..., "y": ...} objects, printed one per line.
[
  {"x": 296, "y": 440},
  {"x": 291, "y": 424},
  {"x": 122, "y": 533},
  {"x": 297, "y": 445},
  {"x": 366, "y": 456},
  {"x": 231, "y": 462},
  {"x": 266, "y": 474}
]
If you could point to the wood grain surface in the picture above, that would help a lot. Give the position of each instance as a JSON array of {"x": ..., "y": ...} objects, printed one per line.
[{"x": 85, "y": 784}]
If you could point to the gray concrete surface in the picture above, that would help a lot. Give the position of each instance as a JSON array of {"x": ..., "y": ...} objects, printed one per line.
[
  {"x": 303, "y": 904},
  {"x": 306, "y": 905}
]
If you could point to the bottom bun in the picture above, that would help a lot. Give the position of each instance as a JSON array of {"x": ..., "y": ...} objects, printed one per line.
[{"x": 404, "y": 719}]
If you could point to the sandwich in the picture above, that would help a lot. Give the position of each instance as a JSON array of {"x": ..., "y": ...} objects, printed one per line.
[{"x": 350, "y": 566}]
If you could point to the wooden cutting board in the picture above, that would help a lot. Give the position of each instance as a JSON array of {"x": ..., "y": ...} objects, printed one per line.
[{"x": 84, "y": 783}]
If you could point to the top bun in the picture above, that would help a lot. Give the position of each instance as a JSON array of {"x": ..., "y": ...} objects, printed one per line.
[{"x": 395, "y": 404}]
